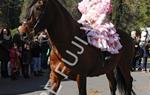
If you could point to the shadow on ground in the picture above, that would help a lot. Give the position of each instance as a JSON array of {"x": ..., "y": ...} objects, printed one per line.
[{"x": 22, "y": 86}]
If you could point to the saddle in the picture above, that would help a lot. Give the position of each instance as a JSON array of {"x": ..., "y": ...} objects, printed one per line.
[{"x": 104, "y": 55}]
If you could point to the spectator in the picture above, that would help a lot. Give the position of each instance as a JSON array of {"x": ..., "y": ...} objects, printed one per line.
[
  {"x": 18, "y": 39},
  {"x": 1, "y": 49},
  {"x": 43, "y": 40},
  {"x": 1, "y": 52},
  {"x": 145, "y": 56},
  {"x": 138, "y": 50},
  {"x": 6, "y": 44},
  {"x": 36, "y": 62},
  {"x": 14, "y": 61},
  {"x": 26, "y": 57}
]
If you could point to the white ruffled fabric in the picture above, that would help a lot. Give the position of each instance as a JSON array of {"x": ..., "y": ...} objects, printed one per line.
[{"x": 103, "y": 34}]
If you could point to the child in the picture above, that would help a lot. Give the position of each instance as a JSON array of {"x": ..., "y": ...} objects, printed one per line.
[
  {"x": 26, "y": 59},
  {"x": 14, "y": 61}
]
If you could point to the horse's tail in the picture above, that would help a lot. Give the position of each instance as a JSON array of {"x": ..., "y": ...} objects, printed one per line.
[{"x": 121, "y": 84}]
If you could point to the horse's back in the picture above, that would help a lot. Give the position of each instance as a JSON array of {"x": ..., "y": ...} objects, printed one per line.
[
  {"x": 97, "y": 66},
  {"x": 90, "y": 62}
]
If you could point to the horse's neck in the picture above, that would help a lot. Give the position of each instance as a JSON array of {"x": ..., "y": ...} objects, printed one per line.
[{"x": 64, "y": 27}]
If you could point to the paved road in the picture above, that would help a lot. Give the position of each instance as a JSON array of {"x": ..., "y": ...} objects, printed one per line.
[{"x": 96, "y": 85}]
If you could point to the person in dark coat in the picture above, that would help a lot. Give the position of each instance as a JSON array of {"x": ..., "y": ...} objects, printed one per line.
[
  {"x": 36, "y": 59},
  {"x": 138, "y": 54},
  {"x": 6, "y": 41},
  {"x": 26, "y": 58},
  {"x": 145, "y": 56},
  {"x": 1, "y": 52},
  {"x": 43, "y": 40},
  {"x": 18, "y": 40}
]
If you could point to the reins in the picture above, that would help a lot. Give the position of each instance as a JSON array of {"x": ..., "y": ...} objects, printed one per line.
[
  {"x": 51, "y": 45},
  {"x": 49, "y": 39},
  {"x": 39, "y": 18}
]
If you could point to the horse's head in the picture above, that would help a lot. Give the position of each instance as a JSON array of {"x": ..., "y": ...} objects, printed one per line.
[{"x": 37, "y": 16}]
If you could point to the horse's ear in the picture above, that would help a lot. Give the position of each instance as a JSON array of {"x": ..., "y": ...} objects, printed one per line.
[
  {"x": 32, "y": 3},
  {"x": 41, "y": 2}
]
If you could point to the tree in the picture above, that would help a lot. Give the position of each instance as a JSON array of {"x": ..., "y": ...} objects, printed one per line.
[
  {"x": 14, "y": 12},
  {"x": 9, "y": 13},
  {"x": 71, "y": 6},
  {"x": 25, "y": 5},
  {"x": 143, "y": 13},
  {"x": 130, "y": 15},
  {"x": 127, "y": 15},
  {"x": 3, "y": 13}
]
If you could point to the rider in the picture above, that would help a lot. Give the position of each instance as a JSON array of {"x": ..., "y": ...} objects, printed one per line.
[{"x": 94, "y": 17}]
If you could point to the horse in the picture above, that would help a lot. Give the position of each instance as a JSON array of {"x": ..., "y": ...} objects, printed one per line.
[{"x": 71, "y": 56}]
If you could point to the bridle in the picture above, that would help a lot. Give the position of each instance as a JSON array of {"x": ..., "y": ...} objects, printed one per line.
[
  {"x": 37, "y": 20},
  {"x": 35, "y": 25}
]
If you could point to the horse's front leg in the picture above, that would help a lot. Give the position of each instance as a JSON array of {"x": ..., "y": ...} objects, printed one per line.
[
  {"x": 54, "y": 83},
  {"x": 81, "y": 81}
]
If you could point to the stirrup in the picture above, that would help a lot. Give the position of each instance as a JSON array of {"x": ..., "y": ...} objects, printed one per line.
[{"x": 105, "y": 57}]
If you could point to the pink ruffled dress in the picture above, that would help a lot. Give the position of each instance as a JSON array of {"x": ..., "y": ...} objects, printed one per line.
[{"x": 102, "y": 32}]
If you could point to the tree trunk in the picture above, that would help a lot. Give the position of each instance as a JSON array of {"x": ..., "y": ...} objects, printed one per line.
[{"x": 3, "y": 14}]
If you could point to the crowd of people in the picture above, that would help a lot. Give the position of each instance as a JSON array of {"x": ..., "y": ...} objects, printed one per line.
[
  {"x": 23, "y": 56},
  {"x": 141, "y": 51},
  {"x": 20, "y": 55}
]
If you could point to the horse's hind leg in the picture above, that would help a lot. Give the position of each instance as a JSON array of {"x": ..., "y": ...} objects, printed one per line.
[
  {"x": 125, "y": 75},
  {"x": 112, "y": 82},
  {"x": 128, "y": 81},
  {"x": 81, "y": 81}
]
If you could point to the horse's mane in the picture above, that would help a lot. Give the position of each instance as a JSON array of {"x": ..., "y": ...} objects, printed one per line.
[
  {"x": 67, "y": 19},
  {"x": 62, "y": 9}
]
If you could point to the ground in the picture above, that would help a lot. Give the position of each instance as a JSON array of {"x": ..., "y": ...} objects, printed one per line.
[{"x": 96, "y": 85}]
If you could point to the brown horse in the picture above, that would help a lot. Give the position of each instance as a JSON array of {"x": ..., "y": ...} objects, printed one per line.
[{"x": 71, "y": 56}]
